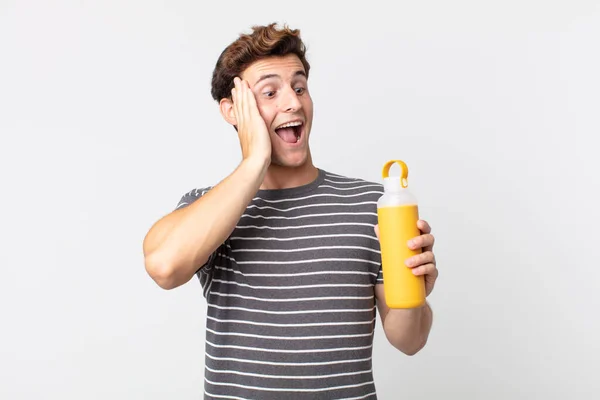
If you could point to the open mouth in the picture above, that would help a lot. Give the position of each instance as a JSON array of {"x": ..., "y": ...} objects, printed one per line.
[{"x": 290, "y": 132}]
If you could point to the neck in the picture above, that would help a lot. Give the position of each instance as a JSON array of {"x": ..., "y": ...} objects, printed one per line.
[{"x": 280, "y": 177}]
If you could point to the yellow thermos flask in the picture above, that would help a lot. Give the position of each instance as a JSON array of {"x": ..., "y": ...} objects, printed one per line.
[{"x": 398, "y": 213}]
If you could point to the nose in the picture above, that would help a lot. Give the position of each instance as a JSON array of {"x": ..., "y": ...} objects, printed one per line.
[{"x": 290, "y": 101}]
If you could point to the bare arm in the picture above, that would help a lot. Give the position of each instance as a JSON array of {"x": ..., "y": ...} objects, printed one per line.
[
  {"x": 406, "y": 329},
  {"x": 182, "y": 241}
]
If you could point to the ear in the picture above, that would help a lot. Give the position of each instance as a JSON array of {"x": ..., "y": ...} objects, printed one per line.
[{"x": 227, "y": 111}]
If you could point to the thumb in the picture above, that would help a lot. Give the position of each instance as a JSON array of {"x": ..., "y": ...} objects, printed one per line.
[{"x": 376, "y": 228}]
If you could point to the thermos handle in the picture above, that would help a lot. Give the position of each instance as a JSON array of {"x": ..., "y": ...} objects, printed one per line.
[{"x": 403, "y": 175}]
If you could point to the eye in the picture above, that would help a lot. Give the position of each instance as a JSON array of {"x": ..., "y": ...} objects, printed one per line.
[
  {"x": 299, "y": 90},
  {"x": 270, "y": 93}
]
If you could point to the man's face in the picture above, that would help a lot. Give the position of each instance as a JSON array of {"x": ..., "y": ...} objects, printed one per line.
[{"x": 280, "y": 87}]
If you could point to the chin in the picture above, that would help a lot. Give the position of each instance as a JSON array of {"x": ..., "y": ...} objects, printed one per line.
[{"x": 290, "y": 160}]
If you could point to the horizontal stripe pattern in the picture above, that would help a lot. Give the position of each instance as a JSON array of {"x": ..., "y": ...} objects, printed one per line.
[{"x": 290, "y": 295}]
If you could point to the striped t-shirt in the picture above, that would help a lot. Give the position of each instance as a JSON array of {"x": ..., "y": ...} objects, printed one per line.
[{"x": 291, "y": 308}]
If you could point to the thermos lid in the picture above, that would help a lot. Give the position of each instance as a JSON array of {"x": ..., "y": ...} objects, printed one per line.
[{"x": 395, "y": 182}]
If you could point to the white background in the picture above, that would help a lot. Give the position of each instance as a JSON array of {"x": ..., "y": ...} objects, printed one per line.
[{"x": 106, "y": 120}]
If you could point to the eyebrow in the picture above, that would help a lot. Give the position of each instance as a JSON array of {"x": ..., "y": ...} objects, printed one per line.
[{"x": 267, "y": 76}]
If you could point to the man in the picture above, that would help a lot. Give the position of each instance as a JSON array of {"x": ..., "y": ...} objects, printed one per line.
[{"x": 287, "y": 253}]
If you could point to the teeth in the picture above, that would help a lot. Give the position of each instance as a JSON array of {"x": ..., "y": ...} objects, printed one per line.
[{"x": 289, "y": 124}]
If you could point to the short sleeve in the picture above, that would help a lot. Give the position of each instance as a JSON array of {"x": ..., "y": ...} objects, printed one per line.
[
  {"x": 191, "y": 196},
  {"x": 186, "y": 200},
  {"x": 380, "y": 275}
]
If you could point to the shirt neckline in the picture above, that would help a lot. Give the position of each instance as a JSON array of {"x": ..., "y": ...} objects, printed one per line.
[{"x": 282, "y": 193}]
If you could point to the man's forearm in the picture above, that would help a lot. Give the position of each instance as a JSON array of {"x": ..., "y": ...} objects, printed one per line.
[
  {"x": 179, "y": 243},
  {"x": 408, "y": 329}
]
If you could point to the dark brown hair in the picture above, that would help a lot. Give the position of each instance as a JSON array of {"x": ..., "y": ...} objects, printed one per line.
[{"x": 264, "y": 41}]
